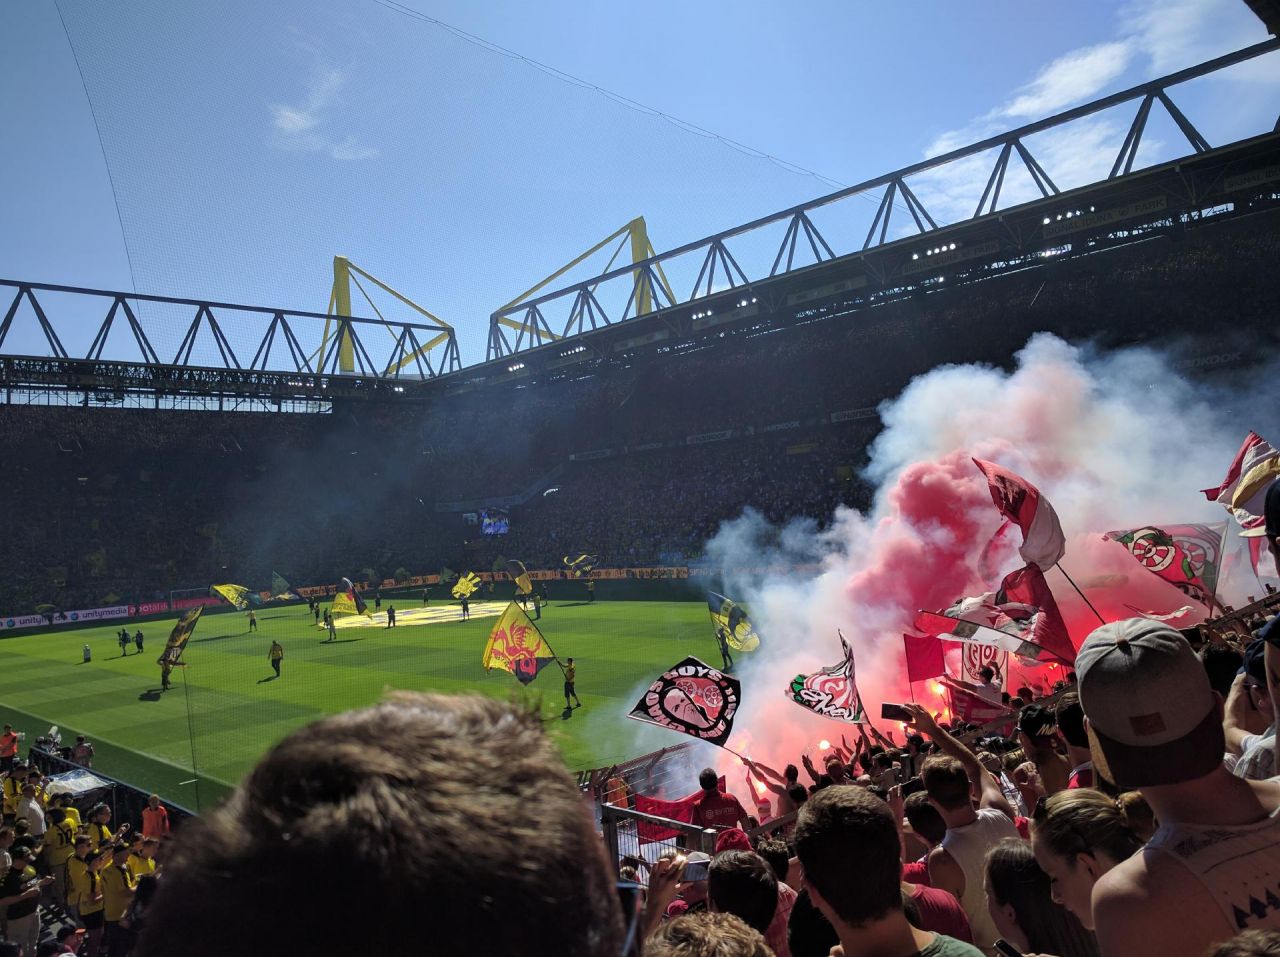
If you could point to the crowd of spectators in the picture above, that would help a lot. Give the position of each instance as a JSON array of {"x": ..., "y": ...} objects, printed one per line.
[
  {"x": 1115, "y": 818},
  {"x": 126, "y": 505},
  {"x": 69, "y": 883}
]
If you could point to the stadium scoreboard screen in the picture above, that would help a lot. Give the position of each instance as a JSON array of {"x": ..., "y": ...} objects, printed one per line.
[{"x": 494, "y": 521}]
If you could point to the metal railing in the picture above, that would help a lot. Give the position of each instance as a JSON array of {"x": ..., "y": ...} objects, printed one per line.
[
  {"x": 622, "y": 293},
  {"x": 624, "y": 839}
]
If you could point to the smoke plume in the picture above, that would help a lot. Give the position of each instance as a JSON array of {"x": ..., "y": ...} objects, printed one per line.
[{"x": 1113, "y": 440}]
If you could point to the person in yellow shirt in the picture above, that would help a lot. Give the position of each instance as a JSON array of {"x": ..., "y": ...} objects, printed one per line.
[
  {"x": 99, "y": 833},
  {"x": 78, "y": 873},
  {"x": 142, "y": 856},
  {"x": 59, "y": 847},
  {"x": 13, "y": 783},
  {"x": 118, "y": 886},
  {"x": 60, "y": 800},
  {"x": 91, "y": 901}
]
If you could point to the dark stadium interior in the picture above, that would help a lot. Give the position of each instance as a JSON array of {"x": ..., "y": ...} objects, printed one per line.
[{"x": 133, "y": 503}]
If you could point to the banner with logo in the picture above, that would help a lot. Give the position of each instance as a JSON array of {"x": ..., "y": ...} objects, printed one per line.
[
  {"x": 22, "y": 621},
  {"x": 203, "y": 602},
  {"x": 90, "y": 614}
]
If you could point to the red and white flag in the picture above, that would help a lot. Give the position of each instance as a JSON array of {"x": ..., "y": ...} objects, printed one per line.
[
  {"x": 1253, "y": 453},
  {"x": 1022, "y": 618},
  {"x": 1043, "y": 542}
]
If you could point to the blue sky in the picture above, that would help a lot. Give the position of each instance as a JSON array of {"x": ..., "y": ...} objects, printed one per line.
[{"x": 248, "y": 143}]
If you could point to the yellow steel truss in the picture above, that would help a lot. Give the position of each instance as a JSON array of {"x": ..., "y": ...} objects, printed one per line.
[
  {"x": 641, "y": 249},
  {"x": 345, "y": 273}
]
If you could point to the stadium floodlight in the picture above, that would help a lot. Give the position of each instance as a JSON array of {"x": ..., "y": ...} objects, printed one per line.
[{"x": 953, "y": 245}]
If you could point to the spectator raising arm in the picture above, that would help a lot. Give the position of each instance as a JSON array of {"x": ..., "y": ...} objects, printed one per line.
[{"x": 988, "y": 789}]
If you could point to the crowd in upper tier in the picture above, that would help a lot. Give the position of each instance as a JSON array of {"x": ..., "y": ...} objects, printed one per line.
[{"x": 127, "y": 505}]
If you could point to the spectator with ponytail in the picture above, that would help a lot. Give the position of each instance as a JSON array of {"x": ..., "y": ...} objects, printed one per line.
[
  {"x": 1020, "y": 901},
  {"x": 1077, "y": 836}
]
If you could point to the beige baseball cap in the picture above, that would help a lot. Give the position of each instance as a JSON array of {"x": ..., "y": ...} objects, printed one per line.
[{"x": 1153, "y": 717}]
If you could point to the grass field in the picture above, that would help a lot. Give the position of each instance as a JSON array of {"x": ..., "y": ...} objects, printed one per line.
[{"x": 224, "y": 710}]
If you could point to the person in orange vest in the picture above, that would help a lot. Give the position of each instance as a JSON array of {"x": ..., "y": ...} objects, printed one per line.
[
  {"x": 9, "y": 748},
  {"x": 155, "y": 818}
]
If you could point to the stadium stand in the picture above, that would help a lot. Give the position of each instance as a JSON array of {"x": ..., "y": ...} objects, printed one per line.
[{"x": 655, "y": 452}]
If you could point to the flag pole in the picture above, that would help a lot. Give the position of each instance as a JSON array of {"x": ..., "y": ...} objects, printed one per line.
[
  {"x": 1222, "y": 562},
  {"x": 543, "y": 637},
  {"x": 1058, "y": 566}
]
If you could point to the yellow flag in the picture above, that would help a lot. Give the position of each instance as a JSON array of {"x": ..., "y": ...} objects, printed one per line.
[
  {"x": 466, "y": 585},
  {"x": 516, "y": 645},
  {"x": 179, "y": 636},
  {"x": 731, "y": 622},
  {"x": 238, "y": 595},
  {"x": 520, "y": 576}
]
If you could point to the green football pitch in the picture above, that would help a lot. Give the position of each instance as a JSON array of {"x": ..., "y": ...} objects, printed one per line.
[{"x": 195, "y": 741}]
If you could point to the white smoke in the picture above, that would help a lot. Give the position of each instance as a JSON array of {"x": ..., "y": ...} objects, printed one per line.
[{"x": 1113, "y": 440}]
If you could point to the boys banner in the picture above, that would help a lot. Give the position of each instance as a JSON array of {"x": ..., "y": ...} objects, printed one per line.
[
  {"x": 831, "y": 692},
  {"x": 692, "y": 698}
]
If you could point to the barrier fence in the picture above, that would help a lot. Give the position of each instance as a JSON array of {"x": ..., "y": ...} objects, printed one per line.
[{"x": 125, "y": 800}]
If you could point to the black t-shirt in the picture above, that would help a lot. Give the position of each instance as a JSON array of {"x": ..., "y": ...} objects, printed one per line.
[{"x": 14, "y": 883}]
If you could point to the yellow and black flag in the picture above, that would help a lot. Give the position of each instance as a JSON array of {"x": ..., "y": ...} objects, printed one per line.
[
  {"x": 520, "y": 576},
  {"x": 582, "y": 565},
  {"x": 281, "y": 590},
  {"x": 237, "y": 595},
  {"x": 348, "y": 601},
  {"x": 729, "y": 619},
  {"x": 179, "y": 636},
  {"x": 516, "y": 645},
  {"x": 466, "y": 585}
]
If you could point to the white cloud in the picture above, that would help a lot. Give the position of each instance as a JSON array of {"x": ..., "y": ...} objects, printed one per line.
[
  {"x": 1072, "y": 78},
  {"x": 1150, "y": 37},
  {"x": 301, "y": 127},
  {"x": 1181, "y": 33},
  {"x": 289, "y": 120}
]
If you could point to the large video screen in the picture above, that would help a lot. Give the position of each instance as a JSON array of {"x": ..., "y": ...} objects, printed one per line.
[{"x": 494, "y": 521}]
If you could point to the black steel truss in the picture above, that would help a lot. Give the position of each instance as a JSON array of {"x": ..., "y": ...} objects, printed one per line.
[
  {"x": 283, "y": 326},
  {"x": 587, "y": 313}
]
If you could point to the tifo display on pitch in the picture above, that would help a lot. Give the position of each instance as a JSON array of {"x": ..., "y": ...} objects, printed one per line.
[
  {"x": 410, "y": 615},
  {"x": 225, "y": 707}
]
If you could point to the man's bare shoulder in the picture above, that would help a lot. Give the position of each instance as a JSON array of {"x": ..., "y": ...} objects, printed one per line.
[{"x": 1131, "y": 908}]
